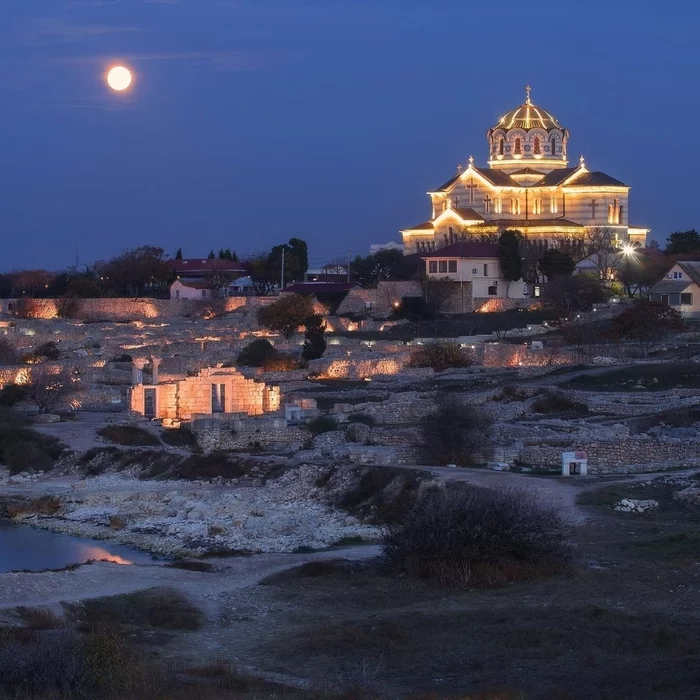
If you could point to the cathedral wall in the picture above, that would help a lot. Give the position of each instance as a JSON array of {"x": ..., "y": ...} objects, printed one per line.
[{"x": 579, "y": 209}]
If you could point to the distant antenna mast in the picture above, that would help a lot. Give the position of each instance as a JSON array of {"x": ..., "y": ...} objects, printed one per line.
[{"x": 282, "y": 273}]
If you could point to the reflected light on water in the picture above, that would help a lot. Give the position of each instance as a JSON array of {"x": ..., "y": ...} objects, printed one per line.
[{"x": 99, "y": 554}]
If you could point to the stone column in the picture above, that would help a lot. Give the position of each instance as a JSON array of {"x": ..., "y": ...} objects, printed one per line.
[
  {"x": 137, "y": 370},
  {"x": 155, "y": 362}
]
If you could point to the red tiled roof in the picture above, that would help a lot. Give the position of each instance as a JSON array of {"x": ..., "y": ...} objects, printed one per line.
[{"x": 196, "y": 284}]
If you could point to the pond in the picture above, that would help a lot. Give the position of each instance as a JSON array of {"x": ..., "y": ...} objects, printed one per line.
[{"x": 25, "y": 548}]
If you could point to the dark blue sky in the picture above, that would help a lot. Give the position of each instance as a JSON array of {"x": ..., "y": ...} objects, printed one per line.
[{"x": 256, "y": 120}]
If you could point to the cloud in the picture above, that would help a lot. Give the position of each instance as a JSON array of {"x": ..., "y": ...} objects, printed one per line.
[{"x": 53, "y": 30}]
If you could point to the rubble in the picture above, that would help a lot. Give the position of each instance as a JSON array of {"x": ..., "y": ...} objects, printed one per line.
[{"x": 629, "y": 505}]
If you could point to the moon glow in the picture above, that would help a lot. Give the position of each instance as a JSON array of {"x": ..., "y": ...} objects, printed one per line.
[{"x": 119, "y": 78}]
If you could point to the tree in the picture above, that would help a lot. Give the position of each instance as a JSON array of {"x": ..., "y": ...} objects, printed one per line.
[
  {"x": 566, "y": 295},
  {"x": 225, "y": 254},
  {"x": 638, "y": 271},
  {"x": 602, "y": 247},
  {"x": 178, "y": 255},
  {"x": 211, "y": 255},
  {"x": 455, "y": 432},
  {"x": 382, "y": 265},
  {"x": 509, "y": 256},
  {"x": 50, "y": 386},
  {"x": 438, "y": 293},
  {"x": 314, "y": 340},
  {"x": 299, "y": 249},
  {"x": 257, "y": 353},
  {"x": 683, "y": 243},
  {"x": 647, "y": 322},
  {"x": 555, "y": 263},
  {"x": 135, "y": 272},
  {"x": 264, "y": 282},
  {"x": 286, "y": 314}
]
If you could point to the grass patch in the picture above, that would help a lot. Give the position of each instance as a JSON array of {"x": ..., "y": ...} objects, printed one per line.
[
  {"x": 25, "y": 449},
  {"x": 158, "y": 608},
  {"x": 128, "y": 436},
  {"x": 678, "y": 546},
  {"x": 39, "y": 618}
]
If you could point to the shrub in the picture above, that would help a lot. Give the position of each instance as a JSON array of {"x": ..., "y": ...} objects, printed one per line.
[
  {"x": 282, "y": 362},
  {"x": 124, "y": 357},
  {"x": 556, "y": 402},
  {"x": 179, "y": 437},
  {"x": 48, "y": 351},
  {"x": 440, "y": 355},
  {"x": 256, "y": 354},
  {"x": 128, "y": 435},
  {"x": 286, "y": 315},
  {"x": 8, "y": 352},
  {"x": 12, "y": 394},
  {"x": 50, "y": 387},
  {"x": 454, "y": 433},
  {"x": 23, "y": 456},
  {"x": 315, "y": 342},
  {"x": 464, "y": 535},
  {"x": 322, "y": 424}
]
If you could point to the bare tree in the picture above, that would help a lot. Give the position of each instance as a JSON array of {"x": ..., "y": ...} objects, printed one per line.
[
  {"x": 602, "y": 247},
  {"x": 49, "y": 386}
]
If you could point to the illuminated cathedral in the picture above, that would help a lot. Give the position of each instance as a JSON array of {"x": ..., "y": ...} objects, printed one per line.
[{"x": 528, "y": 186}]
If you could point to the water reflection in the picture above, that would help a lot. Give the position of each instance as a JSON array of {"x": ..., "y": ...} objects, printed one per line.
[{"x": 24, "y": 548}]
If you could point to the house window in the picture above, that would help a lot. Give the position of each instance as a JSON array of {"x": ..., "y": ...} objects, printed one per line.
[
  {"x": 177, "y": 293},
  {"x": 553, "y": 142},
  {"x": 613, "y": 212},
  {"x": 486, "y": 270},
  {"x": 677, "y": 275},
  {"x": 518, "y": 147},
  {"x": 514, "y": 206},
  {"x": 493, "y": 290},
  {"x": 537, "y": 206},
  {"x": 537, "y": 147},
  {"x": 204, "y": 294},
  {"x": 502, "y": 147},
  {"x": 432, "y": 267},
  {"x": 443, "y": 266},
  {"x": 452, "y": 266},
  {"x": 474, "y": 271},
  {"x": 553, "y": 205},
  {"x": 686, "y": 299}
]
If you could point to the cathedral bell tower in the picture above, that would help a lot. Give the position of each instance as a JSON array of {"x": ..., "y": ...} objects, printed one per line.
[{"x": 528, "y": 137}]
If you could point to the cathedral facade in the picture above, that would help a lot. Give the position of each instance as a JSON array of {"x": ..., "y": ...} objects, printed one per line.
[{"x": 528, "y": 186}]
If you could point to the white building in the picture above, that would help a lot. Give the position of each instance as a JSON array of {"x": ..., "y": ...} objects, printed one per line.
[
  {"x": 191, "y": 289},
  {"x": 478, "y": 265}
]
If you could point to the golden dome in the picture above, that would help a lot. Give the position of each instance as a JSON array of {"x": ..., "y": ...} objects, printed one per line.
[{"x": 528, "y": 116}]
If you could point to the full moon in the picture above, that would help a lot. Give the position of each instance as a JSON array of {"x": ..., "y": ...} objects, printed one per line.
[{"x": 119, "y": 78}]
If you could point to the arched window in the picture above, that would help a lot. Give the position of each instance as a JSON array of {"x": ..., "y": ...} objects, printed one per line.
[
  {"x": 553, "y": 204},
  {"x": 621, "y": 215},
  {"x": 502, "y": 147},
  {"x": 553, "y": 145},
  {"x": 537, "y": 206},
  {"x": 514, "y": 206},
  {"x": 518, "y": 147},
  {"x": 537, "y": 147}
]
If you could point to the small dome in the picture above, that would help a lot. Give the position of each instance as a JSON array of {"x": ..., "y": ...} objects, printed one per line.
[{"x": 528, "y": 116}]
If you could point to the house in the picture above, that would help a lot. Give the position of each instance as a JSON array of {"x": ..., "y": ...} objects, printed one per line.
[
  {"x": 333, "y": 272},
  {"x": 680, "y": 288},
  {"x": 476, "y": 264},
  {"x": 192, "y": 289}
]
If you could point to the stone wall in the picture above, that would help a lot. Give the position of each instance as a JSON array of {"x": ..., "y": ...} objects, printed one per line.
[
  {"x": 491, "y": 305},
  {"x": 382, "y": 299},
  {"x": 121, "y": 309}
]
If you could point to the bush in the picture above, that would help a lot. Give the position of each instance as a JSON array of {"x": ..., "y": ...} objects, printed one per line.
[
  {"x": 8, "y": 352},
  {"x": 179, "y": 437},
  {"x": 47, "y": 351},
  {"x": 440, "y": 355},
  {"x": 24, "y": 449},
  {"x": 12, "y": 394},
  {"x": 555, "y": 402},
  {"x": 454, "y": 433},
  {"x": 22, "y": 455},
  {"x": 464, "y": 535},
  {"x": 257, "y": 353},
  {"x": 128, "y": 435},
  {"x": 124, "y": 357},
  {"x": 282, "y": 362},
  {"x": 322, "y": 424},
  {"x": 286, "y": 315}
]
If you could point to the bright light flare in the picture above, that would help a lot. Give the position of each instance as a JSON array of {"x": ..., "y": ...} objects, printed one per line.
[
  {"x": 628, "y": 249},
  {"x": 119, "y": 78}
]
